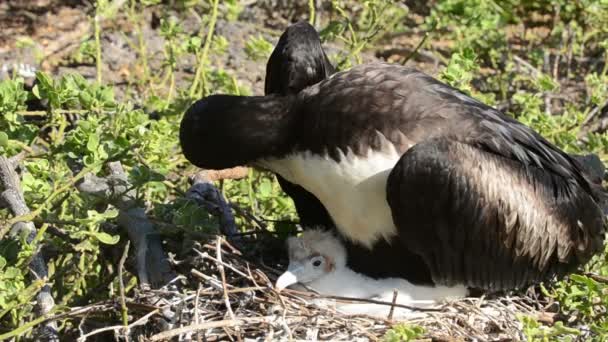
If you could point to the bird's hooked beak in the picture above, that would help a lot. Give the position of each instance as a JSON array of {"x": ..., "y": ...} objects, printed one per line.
[{"x": 288, "y": 278}]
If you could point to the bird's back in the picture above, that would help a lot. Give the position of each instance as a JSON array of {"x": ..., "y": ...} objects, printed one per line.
[{"x": 407, "y": 106}]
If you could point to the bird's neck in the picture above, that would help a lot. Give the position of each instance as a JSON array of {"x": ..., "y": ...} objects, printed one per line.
[{"x": 262, "y": 126}]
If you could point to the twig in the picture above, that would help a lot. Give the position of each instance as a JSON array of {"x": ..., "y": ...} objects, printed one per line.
[
  {"x": 61, "y": 234},
  {"x": 12, "y": 196},
  {"x": 207, "y": 256},
  {"x": 196, "y": 314},
  {"x": 202, "y": 56},
  {"x": 311, "y": 12},
  {"x": 74, "y": 312},
  {"x": 166, "y": 335},
  {"x": 597, "y": 277},
  {"x": 593, "y": 112},
  {"x": 220, "y": 267},
  {"x": 527, "y": 65},
  {"x": 422, "y": 41},
  {"x": 394, "y": 301},
  {"x": 142, "y": 320},
  {"x": 121, "y": 284},
  {"x": 250, "y": 217},
  {"x": 30, "y": 215},
  {"x": 152, "y": 265},
  {"x": 212, "y": 281},
  {"x": 365, "y": 332},
  {"x": 57, "y": 111}
]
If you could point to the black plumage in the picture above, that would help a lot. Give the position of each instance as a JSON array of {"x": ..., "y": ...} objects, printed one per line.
[
  {"x": 482, "y": 198},
  {"x": 299, "y": 61}
]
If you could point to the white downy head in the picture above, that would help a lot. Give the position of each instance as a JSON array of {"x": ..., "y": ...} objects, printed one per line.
[{"x": 313, "y": 255}]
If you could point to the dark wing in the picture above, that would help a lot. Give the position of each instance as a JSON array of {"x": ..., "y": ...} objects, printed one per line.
[
  {"x": 504, "y": 207},
  {"x": 484, "y": 220},
  {"x": 297, "y": 62}
]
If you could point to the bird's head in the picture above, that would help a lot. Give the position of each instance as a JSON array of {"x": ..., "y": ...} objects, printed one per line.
[
  {"x": 313, "y": 255},
  {"x": 224, "y": 131},
  {"x": 297, "y": 61}
]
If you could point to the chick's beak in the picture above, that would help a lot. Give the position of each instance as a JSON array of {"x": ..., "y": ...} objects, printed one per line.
[{"x": 286, "y": 279}]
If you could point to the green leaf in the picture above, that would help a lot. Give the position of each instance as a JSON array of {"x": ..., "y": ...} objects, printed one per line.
[
  {"x": 106, "y": 238},
  {"x": 547, "y": 83},
  {"x": 36, "y": 92},
  {"x": 265, "y": 188},
  {"x": 93, "y": 142},
  {"x": 3, "y": 139}
]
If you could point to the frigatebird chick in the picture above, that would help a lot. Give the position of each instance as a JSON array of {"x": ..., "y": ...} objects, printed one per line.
[{"x": 317, "y": 259}]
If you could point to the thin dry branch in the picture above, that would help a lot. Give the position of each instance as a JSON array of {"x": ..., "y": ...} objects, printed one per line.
[
  {"x": 143, "y": 320},
  {"x": 121, "y": 284},
  {"x": 12, "y": 197},
  {"x": 166, "y": 335},
  {"x": 153, "y": 267}
]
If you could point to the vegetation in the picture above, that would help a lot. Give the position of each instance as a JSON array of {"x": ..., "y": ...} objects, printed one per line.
[{"x": 544, "y": 62}]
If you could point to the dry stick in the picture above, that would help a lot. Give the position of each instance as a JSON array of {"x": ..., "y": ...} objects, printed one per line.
[
  {"x": 141, "y": 321},
  {"x": 30, "y": 215},
  {"x": 196, "y": 315},
  {"x": 205, "y": 255},
  {"x": 81, "y": 324},
  {"x": 212, "y": 281},
  {"x": 57, "y": 111},
  {"x": 394, "y": 301},
  {"x": 203, "y": 276},
  {"x": 220, "y": 267},
  {"x": 527, "y": 65},
  {"x": 74, "y": 312},
  {"x": 121, "y": 284},
  {"x": 597, "y": 277},
  {"x": 166, "y": 335},
  {"x": 593, "y": 112},
  {"x": 13, "y": 198},
  {"x": 201, "y": 57},
  {"x": 365, "y": 332},
  {"x": 422, "y": 41},
  {"x": 250, "y": 217},
  {"x": 153, "y": 267}
]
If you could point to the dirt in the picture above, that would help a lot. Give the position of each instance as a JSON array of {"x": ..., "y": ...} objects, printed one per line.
[{"x": 55, "y": 29}]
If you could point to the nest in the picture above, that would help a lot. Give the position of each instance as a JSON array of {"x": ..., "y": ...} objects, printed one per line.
[{"x": 222, "y": 295}]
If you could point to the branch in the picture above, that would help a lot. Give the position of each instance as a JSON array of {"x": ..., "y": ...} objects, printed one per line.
[
  {"x": 12, "y": 196},
  {"x": 153, "y": 267},
  {"x": 167, "y": 335},
  {"x": 121, "y": 284},
  {"x": 591, "y": 124},
  {"x": 597, "y": 277}
]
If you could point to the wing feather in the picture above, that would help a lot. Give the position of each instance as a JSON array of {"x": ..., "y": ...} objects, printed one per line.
[{"x": 498, "y": 226}]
